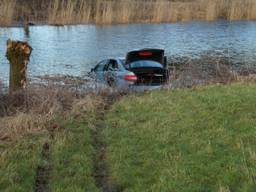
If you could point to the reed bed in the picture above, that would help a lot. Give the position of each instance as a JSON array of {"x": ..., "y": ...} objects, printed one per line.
[
  {"x": 7, "y": 9},
  {"x": 68, "y": 12},
  {"x": 62, "y": 12}
]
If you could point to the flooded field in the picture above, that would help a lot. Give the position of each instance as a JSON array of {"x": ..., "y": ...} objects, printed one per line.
[{"x": 74, "y": 50}]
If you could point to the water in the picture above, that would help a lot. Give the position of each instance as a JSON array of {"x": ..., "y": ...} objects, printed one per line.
[{"x": 74, "y": 50}]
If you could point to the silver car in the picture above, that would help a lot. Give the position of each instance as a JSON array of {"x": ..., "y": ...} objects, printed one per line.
[{"x": 141, "y": 70}]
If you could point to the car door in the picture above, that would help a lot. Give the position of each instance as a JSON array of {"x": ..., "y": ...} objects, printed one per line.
[
  {"x": 111, "y": 72},
  {"x": 99, "y": 70}
]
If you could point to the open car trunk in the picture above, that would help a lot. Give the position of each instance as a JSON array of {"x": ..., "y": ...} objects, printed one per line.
[
  {"x": 156, "y": 55},
  {"x": 150, "y": 76},
  {"x": 149, "y": 65}
]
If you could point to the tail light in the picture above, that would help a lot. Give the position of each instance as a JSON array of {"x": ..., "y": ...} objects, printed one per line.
[
  {"x": 145, "y": 54},
  {"x": 130, "y": 77}
]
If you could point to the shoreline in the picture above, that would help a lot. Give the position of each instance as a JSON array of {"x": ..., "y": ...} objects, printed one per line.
[{"x": 36, "y": 23}]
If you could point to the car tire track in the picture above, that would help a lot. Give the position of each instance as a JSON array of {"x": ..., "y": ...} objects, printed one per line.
[
  {"x": 43, "y": 170},
  {"x": 101, "y": 170}
]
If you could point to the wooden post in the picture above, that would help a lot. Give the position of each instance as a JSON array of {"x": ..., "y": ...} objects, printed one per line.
[
  {"x": 26, "y": 30},
  {"x": 18, "y": 54}
]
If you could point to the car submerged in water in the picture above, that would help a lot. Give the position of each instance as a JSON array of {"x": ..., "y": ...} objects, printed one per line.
[{"x": 144, "y": 69}]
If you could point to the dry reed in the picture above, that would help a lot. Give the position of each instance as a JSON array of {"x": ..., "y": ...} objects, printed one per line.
[
  {"x": 142, "y": 11},
  {"x": 7, "y": 9},
  {"x": 61, "y": 12},
  {"x": 68, "y": 12}
]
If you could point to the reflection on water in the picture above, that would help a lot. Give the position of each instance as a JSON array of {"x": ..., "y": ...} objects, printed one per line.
[{"x": 73, "y": 50}]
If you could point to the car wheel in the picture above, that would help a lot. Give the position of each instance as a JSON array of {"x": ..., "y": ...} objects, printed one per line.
[{"x": 111, "y": 82}]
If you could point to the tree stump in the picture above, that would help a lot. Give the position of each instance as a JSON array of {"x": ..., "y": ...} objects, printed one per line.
[{"x": 18, "y": 54}]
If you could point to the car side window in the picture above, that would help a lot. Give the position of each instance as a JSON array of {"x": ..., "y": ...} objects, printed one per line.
[
  {"x": 100, "y": 67},
  {"x": 112, "y": 65}
]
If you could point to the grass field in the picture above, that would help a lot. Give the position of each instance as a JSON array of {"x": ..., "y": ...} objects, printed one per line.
[
  {"x": 18, "y": 164},
  {"x": 72, "y": 156},
  {"x": 59, "y": 157},
  {"x": 71, "y": 159},
  {"x": 201, "y": 139},
  {"x": 181, "y": 140}
]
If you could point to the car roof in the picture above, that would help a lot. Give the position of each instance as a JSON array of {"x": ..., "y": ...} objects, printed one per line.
[{"x": 118, "y": 58}]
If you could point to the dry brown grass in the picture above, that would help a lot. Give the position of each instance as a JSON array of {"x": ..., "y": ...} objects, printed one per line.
[
  {"x": 62, "y": 12},
  {"x": 207, "y": 69},
  {"x": 251, "y": 78},
  {"x": 20, "y": 125},
  {"x": 87, "y": 104},
  {"x": 34, "y": 110}
]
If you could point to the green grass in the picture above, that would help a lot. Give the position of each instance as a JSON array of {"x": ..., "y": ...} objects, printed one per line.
[
  {"x": 72, "y": 156},
  {"x": 18, "y": 164},
  {"x": 188, "y": 140}
]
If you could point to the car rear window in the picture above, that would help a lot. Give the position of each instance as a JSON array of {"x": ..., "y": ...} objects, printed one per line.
[
  {"x": 156, "y": 55},
  {"x": 144, "y": 63}
]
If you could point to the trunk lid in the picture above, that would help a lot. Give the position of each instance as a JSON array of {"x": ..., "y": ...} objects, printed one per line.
[
  {"x": 149, "y": 65},
  {"x": 156, "y": 55}
]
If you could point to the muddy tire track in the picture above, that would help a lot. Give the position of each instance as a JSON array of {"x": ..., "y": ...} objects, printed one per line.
[
  {"x": 101, "y": 169},
  {"x": 45, "y": 167},
  {"x": 42, "y": 180}
]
